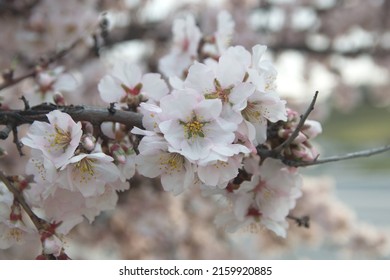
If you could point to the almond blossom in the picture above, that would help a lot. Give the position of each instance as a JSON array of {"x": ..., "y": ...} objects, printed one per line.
[
  {"x": 177, "y": 173},
  {"x": 89, "y": 173},
  {"x": 57, "y": 140},
  {"x": 15, "y": 227},
  {"x": 186, "y": 38},
  {"x": 223, "y": 80},
  {"x": 127, "y": 83},
  {"x": 48, "y": 83},
  {"x": 266, "y": 200},
  {"x": 193, "y": 126}
]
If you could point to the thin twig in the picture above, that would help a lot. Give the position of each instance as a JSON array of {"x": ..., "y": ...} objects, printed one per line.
[
  {"x": 17, "y": 143},
  {"x": 359, "y": 154},
  {"x": 25, "y": 102},
  {"x": 303, "y": 221},
  {"x": 41, "y": 65},
  {"x": 38, "y": 222},
  {"x": 295, "y": 133}
]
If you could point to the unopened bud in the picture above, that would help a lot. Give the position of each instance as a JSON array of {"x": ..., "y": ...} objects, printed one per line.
[
  {"x": 16, "y": 213},
  {"x": 299, "y": 153},
  {"x": 59, "y": 99},
  {"x": 8, "y": 75},
  {"x": 312, "y": 128},
  {"x": 118, "y": 153},
  {"x": 300, "y": 138},
  {"x": 88, "y": 142},
  {"x": 284, "y": 133},
  {"x": 3, "y": 153},
  {"x": 52, "y": 246}
]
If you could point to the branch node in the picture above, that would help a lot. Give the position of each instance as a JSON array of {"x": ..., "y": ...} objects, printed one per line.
[
  {"x": 17, "y": 143},
  {"x": 25, "y": 102},
  {"x": 295, "y": 133},
  {"x": 303, "y": 221},
  {"x": 112, "y": 109}
]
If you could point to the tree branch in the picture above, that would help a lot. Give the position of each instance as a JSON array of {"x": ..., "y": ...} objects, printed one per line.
[
  {"x": 38, "y": 222},
  {"x": 364, "y": 153},
  {"x": 94, "y": 115}
]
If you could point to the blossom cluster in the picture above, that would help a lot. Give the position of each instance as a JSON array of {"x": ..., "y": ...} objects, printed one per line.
[
  {"x": 204, "y": 119},
  {"x": 73, "y": 178},
  {"x": 203, "y": 129}
]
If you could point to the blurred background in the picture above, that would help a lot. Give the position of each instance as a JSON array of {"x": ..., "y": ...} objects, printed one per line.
[{"x": 340, "y": 48}]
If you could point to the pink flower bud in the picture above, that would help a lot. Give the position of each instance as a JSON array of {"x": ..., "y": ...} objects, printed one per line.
[
  {"x": 300, "y": 138},
  {"x": 118, "y": 153},
  {"x": 59, "y": 99},
  {"x": 312, "y": 128},
  {"x": 52, "y": 246},
  {"x": 88, "y": 142},
  {"x": 3, "y": 153}
]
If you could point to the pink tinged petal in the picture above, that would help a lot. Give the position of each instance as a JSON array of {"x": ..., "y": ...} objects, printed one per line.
[
  {"x": 225, "y": 30},
  {"x": 219, "y": 173},
  {"x": 201, "y": 78},
  {"x": 178, "y": 105},
  {"x": 278, "y": 227},
  {"x": 242, "y": 204},
  {"x": 138, "y": 131},
  {"x": 208, "y": 109},
  {"x": 153, "y": 86},
  {"x": 257, "y": 80},
  {"x": 128, "y": 73},
  {"x": 240, "y": 54},
  {"x": 270, "y": 168},
  {"x": 230, "y": 150},
  {"x": 150, "y": 144},
  {"x": 189, "y": 179},
  {"x": 208, "y": 175},
  {"x": 90, "y": 173},
  {"x": 230, "y": 71},
  {"x": 257, "y": 53},
  {"x": 220, "y": 132},
  {"x": 173, "y": 132},
  {"x": 261, "y": 131},
  {"x": 246, "y": 131},
  {"x": 230, "y": 115},
  {"x": 174, "y": 64},
  {"x": 276, "y": 112},
  {"x": 110, "y": 89},
  {"x": 240, "y": 94},
  {"x": 148, "y": 165},
  {"x": 176, "y": 82},
  {"x": 66, "y": 82},
  {"x": 196, "y": 149},
  {"x": 312, "y": 128},
  {"x": 151, "y": 116},
  {"x": 186, "y": 35},
  {"x": 173, "y": 182}
]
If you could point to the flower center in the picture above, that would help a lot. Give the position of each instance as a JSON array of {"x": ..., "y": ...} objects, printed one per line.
[
  {"x": 60, "y": 139},
  {"x": 193, "y": 128},
  {"x": 86, "y": 170},
  {"x": 86, "y": 166},
  {"x": 15, "y": 234},
  {"x": 171, "y": 162},
  {"x": 219, "y": 92},
  {"x": 132, "y": 91}
]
